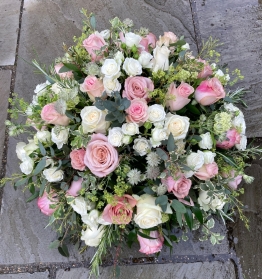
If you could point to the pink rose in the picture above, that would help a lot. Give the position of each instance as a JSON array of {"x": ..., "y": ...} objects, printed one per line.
[
  {"x": 233, "y": 138},
  {"x": 101, "y": 157},
  {"x": 180, "y": 187},
  {"x": 137, "y": 112},
  {"x": 51, "y": 116},
  {"x": 151, "y": 246},
  {"x": 68, "y": 74},
  {"x": 167, "y": 39},
  {"x": 148, "y": 40},
  {"x": 207, "y": 70},
  {"x": 121, "y": 212},
  {"x": 75, "y": 187},
  {"x": 181, "y": 94},
  {"x": 45, "y": 201},
  {"x": 77, "y": 159},
  {"x": 207, "y": 171},
  {"x": 92, "y": 43},
  {"x": 93, "y": 86},
  {"x": 234, "y": 181},
  {"x": 209, "y": 92},
  {"x": 137, "y": 87}
]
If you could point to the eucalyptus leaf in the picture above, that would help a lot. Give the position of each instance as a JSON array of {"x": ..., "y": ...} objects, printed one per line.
[
  {"x": 178, "y": 206},
  {"x": 145, "y": 235},
  {"x": 34, "y": 196},
  {"x": 40, "y": 166},
  {"x": 162, "y": 154},
  {"x": 171, "y": 143},
  {"x": 42, "y": 149}
]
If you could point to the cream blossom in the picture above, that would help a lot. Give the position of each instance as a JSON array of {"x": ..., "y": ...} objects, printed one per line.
[
  {"x": 195, "y": 160},
  {"x": 27, "y": 165},
  {"x": 206, "y": 141},
  {"x": 209, "y": 157},
  {"x": 130, "y": 129},
  {"x": 115, "y": 136},
  {"x": 177, "y": 125},
  {"x": 81, "y": 205},
  {"x": 207, "y": 202},
  {"x": 145, "y": 60},
  {"x": 156, "y": 113},
  {"x": 92, "y": 236},
  {"x": 43, "y": 136},
  {"x": 132, "y": 67},
  {"x": 161, "y": 58},
  {"x": 158, "y": 135},
  {"x": 61, "y": 137},
  {"x": 111, "y": 85},
  {"x": 141, "y": 146},
  {"x": 110, "y": 68},
  {"x": 132, "y": 39},
  {"x": 53, "y": 175}
]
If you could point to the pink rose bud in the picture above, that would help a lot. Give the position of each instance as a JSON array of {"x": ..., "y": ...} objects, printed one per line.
[
  {"x": 45, "y": 201},
  {"x": 207, "y": 171},
  {"x": 181, "y": 94},
  {"x": 68, "y": 74},
  {"x": 151, "y": 246},
  {"x": 92, "y": 43},
  {"x": 234, "y": 180},
  {"x": 100, "y": 157},
  {"x": 75, "y": 187},
  {"x": 167, "y": 39},
  {"x": 137, "y": 112},
  {"x": 77, "y": 159},
  {"x": 93, "y": 86},
  {"x": 137, "y": 87},
  {"x": 207, "y": 70},
  {"x": 209, "y": 92},
  {"x": 149, "y": 40},
  {"x": 51, "y": 116},
  {"x": 180, "y": 186},
  {"x": 121, "y": 212},
  {"x": 233, "y": 137}
]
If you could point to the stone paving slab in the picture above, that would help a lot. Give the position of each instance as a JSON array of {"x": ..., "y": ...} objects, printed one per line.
[
  {"x": 212, "y": 270},
  {"x": 238, "y": 24},
  {"x": 5, "y": 80},
  {"x": 38, "y": 275},
  {"x": 9, "y": 22}
]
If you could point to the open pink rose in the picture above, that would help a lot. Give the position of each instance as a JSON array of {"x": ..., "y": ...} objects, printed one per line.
[
  {"x": 101, "y": 157},
  {"x": 51, "y": 116},
  {"x": 233, "y": 137},
  {"x": 167, "y": 39},
  {"x": 207, "y": 171},
  {"x": 75, "y": 187},
  {"x": 207, "y": 70},
  {"x": 180, "y": 187},
  {"x": 148, "y": 40},
  {"x": 137, "y": 87},
  {"x": 137, "y": 112},
  {"x": 121, "y": 212},
  {"x": 181, "y": 94},
  {"x": 45, "y": 201},
  {"x": 209, "y": 92},
  {"x": 234, "y": 180},
  {"x": 93, "y": 86},
  {"x": 68, "y": 74},
  {"x": 92, "y": 43},
  {"x": 151, "y": 246},
  {"x": 77, "y": 159}
]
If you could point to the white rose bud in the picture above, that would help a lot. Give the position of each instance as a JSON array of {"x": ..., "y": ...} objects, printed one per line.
[
  {"x": 156, "y": 113},
  {"x": 81, "y": 206},
  {"x": 105, "y": 34},
  {"x": 219, "y": 73},
  {"x": 209, "y": 157},
  {"x": 30, "y": 147},
  {"x": 157, "y": 136},
  {"x": 111, "y": 85},
  {"x": 195, "y": 160},
  {"x": 53, "y": 175},
  {"x": 185, "y": 46},
  {"x": 161, "y": 58},
  {"x": 207, "y": 202},
  {"x": 20, "y": 152},
  {"x": 141, "y": 146},
  {"x": 61, "y": 138},
  {"x": 206, "y": 142},
  {"x": 40, "y": 89},
  {"x": 177, "y": 125},
  {"x": 145, "y": 59},
  {"x": 132, "y": 39},
  {"x": 119, "y": 57},
  {"x": 43, "y": 136},
  {"x": 126, "y": 139},
  {"x": 115, "y": 136},
  {"x": 130, "y": 129},
  {"x": 239, "y": 122},
  {"x": 243, "y": 143},
  {"x": 91, "y": 218},
  {"x": 110, "y": 68},
  {"x": 132, "y": 67},
  {"x": 27, "y": 165},
  {"x": 92, "y": 236}
]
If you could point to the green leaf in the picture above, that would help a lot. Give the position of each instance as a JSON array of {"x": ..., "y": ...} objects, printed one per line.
[
  {"x": 179, "y": 218},
  {"x": 132, "y": 236},
  {"x": 198, "y": 214},
  {"x": 145, "y": 235},
  {"x": 52, "y": 152},
  {"x": 210, "y": 223},
  {"x": 189, "y": 218},
  {"x": 148, "y": 190},
  {"x": 34, "y": 196},
  {"x": 42, "y": 187},
  {"x": 63, "y": 250},
  {"x": 171, "y": 143},
  {"x": 69, "y": 67},
  {"x": 110, "y": 117},
  {"x": 162, "y": 154},
  {"x": 178, "y": 206},
  {"x": 21, "y": 182},
  {"x": 193, "y": 109},
  {"x": 161, "y": 200},
  {"x": 173, "y": 238},
  {"x": 99, "y": 103},
  {"x": 54, "y": 244},
  {"x": 93, "y": 21},
  {"x": 109, "y": 105},
  {"x": 32, "y": 188},
  {"x": 42, "y": 149},
  {"x": 168, "y": 241},
  {"x": 213, "y": 240},
  {"x": 40, "y": 166},
  {"x": 126, "y": 103},
  {"x": 228, "y": 99}
]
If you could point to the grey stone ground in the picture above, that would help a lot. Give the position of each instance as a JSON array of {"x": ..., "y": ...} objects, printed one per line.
[{"x": 36, "y": 29}]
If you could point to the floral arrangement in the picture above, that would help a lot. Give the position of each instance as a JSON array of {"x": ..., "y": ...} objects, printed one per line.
[{"x": 133, "y": 136}]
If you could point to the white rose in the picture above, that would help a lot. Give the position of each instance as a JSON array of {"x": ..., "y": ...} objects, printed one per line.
[
  {"x": 115, "y": 136},
  {"x": 148, "y": 214},
  {"x": 177, "y": 125},
  {"x": 161, "y": 58},
  {"x": 132, "y": 67},
  {"x": 126, "y": 139},
  {"x": 40, "y": 89},
  {"x": 156, "y": 113},
  {"x": 145, "y": 60},
  {"x": 27, "y": 165},
  {"x": 209, "y": 157},
  {"x": 93, "y": 120},
  {"x": 111, "y": 85},
  {"x": 132, "y": 39},
  {"x": 130, "y": 129},
  {"x": 206, "y": 142},
  {"x": 49, "y": 162},
  {"x": 53, "y": 175},
  {"x": 43, "y": 136},
  {"x": 110, "y": 68},
  {"x": 207, "y": 202},
  {"x": 157, "y": 136},
  {"x": 61, "y": 138},
  {"x": 81, "y": 206},
  {"x": 195, "y": 160},
  {"x": 239, "y": 122},
  {"x": 105, "y": 34},
  {"x": 91, "y": 218},
  {"x": 119, "y": 57},
  {"x": 30, "y": 147},
  {"x": 230, "y": 107},
  {"x": 20, "y": 152},
  {"x": 92, "y": 236},
  {"x": 243, "y": 143},
  {"x": 141, "y": 146},
  {"x": 185, "y": 46}
]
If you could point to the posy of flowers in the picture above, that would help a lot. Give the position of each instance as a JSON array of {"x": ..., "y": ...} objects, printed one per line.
[{"x": 133, "y": 136}]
